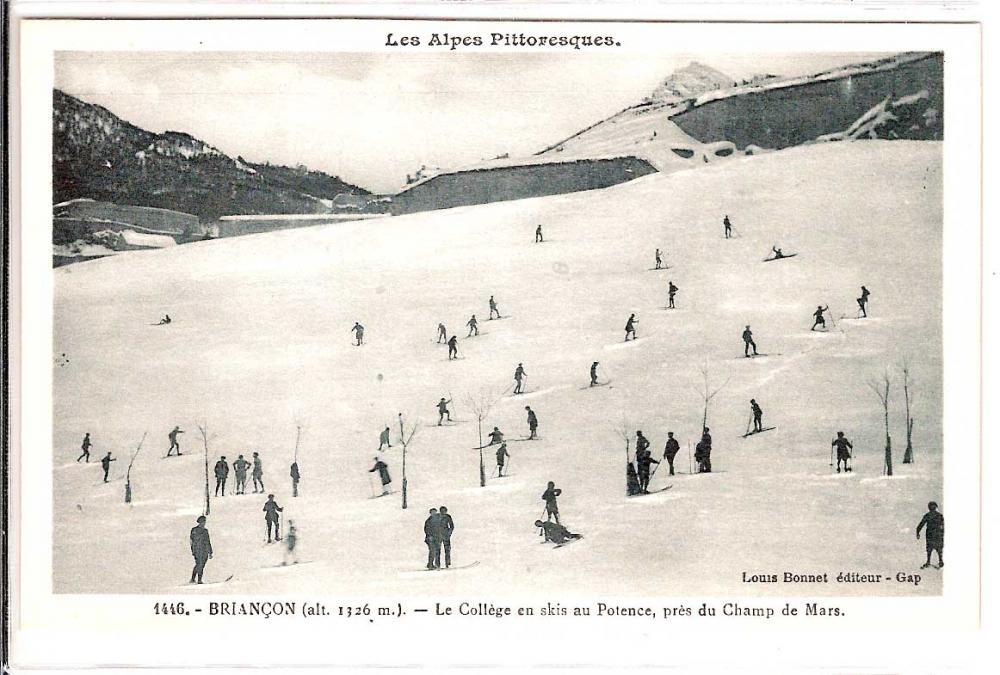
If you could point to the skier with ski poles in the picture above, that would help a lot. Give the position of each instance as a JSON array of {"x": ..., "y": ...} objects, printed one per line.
[
  {"x": 538, "y": 234},
  {"x": 818, "y": 315},
  {"x": 728, "y": 226},
  {"x": 519, "y": 376},
  {"x": 493, "y": 308},
  {"x": 643, "y": 461},
  {"x": 174, "y": 445},
  {"x": 671, "y": 292},
  {"x": 271, "y": 511},
  {"x": 383, "y": 439},
  {"x": 630, "y": 327},
  {"x": 502, "y": 455},
  {"x": 659, "y": 262},
  {"x": 359, "y": 333},
  {"x": 593, "y": 373},
  {"x": 383, "y": 471},
  {"x": 758, "y": 415},
  {"x": 496, "y": 436},
  {"x": 532, "y": 424},
  {"x": 85, "y": 447},
  {"x": 863, "y": 303},
  {"x": 473, "y": 326},
  {"x": 106, "y": 464},
  {"x": 442, "y": 333},
  {"x": 748, "y": 342},
  {"x": 453, "y": 348},
  {"x": 551, "y": 506},
  {"x": 844, "y": 448},
  {"x": 442, "y": 407}
]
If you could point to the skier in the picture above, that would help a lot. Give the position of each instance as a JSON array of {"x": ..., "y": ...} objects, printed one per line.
[
  {"x": 453, "y": 348},
  {"x": 383, "y": 439},
  {"x": 819, "y": 320},
  {"x": 532, "y": 424},
  {"x": 442, "y": 333},
  {"x": 844, "y": 448},
  {"x": 643, "y": 460},
  {"x": 174, "y": 445},
  {"x": 165, "y": 320},
  {"x": 85, "y": 446},
  {"x": 556, "y": 533},
  {"x": 473, "y": 326},
  {"x": 641, "y": 442},
  {"x": 593, "y": 374},
  {"x": 748, "y": 342},
  {"x": 659, "y": 262},
  {"x": 551, "y": 507},
  {"x": 383, "y": 473},
  {"x": 519, "y": 376},
  {"x": 670, "y": 450},
  {"x": 703, "y": 455},
  {"x": 291, "y": 539},
  {"x": 758, "y": 416},
  {"x": 432, "y": 537},
  {"x": 106, "y": 464},
  {"x": 631, "y": 480},
  {"x": 294, "y": 473},
  {"x": 271, "y": 511},
  {"x": 630, "y": 327},
  {"x": 706, "y": 436},
  {"x": 447, "y": 527},
  {"x": 728, "y": 226},
  {"x": 502, "y": 454},
  {"x": 538, "y": 234},
  {"x": 496, "y": 436},
  {"x": 221, "y": 474},
  {"x": 863, "y": 302},
  {"x": 442, "y": 407},
  {"x": 493, "y": 308},
  {"x": 671, "y": 292},
  {"x": 359, "y": 333},
  {"x": 240, "y": 467},
  {"x": 258, "y": 474},
  {"x": 935, "y": 533},
  {"x": 201, "y": 549}
]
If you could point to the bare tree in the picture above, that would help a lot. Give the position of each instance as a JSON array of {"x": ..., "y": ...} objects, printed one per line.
[
  {"x": 205, "y": 438},
  {"x": 707, "y": 393},
  {"x": 482, "y": 403},
  {"x": 405, "y": 436},
  {"x": 908, "y": 453},
  {"x": 128, "y": 472},
  {"x": 881, "y": 390},
  {"x": 623, "y": 428}
]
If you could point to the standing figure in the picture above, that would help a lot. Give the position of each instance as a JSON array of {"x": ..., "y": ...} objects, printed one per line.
[
  {"x": 221, "y": 474},
  {"x": 174, "y": 445},
  {"x": 383, "y": 439},
  {"x": 442, "y": 333},
  {"x": 593, "y": 373},
  {"x": 493, "y": 308},
  {"x": 670, "y": 450},
  {"x": 258, "y": 474},
  {"x": 659, "y": 261},
  {"x": 294, "y": 473},
  {"x": 844, "y": 448},
  {"x": 758, "y": 416},
  {"x": 818, "y": 317},
  {"x": 934, "y": 522},
  {"x": 863, "y": 302},
  {"x": 502, "y": 455},
  {"x": 432, "y": 537},
  {"x": 201, "y": 549},
  {"x": 728, "y": 226},
  {"x": 85, "y": 447},
  {"x": 496, "y": 436},
  {"x": 519, "y": 376},
  {"x": 106, "y": 464},
  {"x": 240, "y": 467},
  {"x": 473, "y": 326},
  {"x": 453, "y": 348},
  {"x": 748, "y": 342},
  {"x": 383, "y": 473},
  {"x": 538, "y": 234},
  {"x": 291, "y": 539},
  {"x": 359, "y": 333},
  {"x": 532, "y": 424},
  {"x": 551, "y": 506},
  {"x": 643, "y": 461},
  {"x": 671, "y": 292},
  {"x": 271, "y": 511},
  {"x": 630, "y": 327},
  {"x": 442, "y": 407},
  {"x": 447, "y": 528}
]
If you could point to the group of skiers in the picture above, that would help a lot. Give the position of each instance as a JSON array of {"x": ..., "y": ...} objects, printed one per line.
[
  {"x": 240, "y": 468},
  {"x": 472, "y": 324}
]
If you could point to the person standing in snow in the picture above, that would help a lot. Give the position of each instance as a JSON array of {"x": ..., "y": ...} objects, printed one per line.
[
  {"x": 442, "y": 333},
  {"x": 383, "y": 439},
  {"x": 670, "y": 450},
  {"x": 383, "y": 473},
  {"x": 496, "y": 436},
  {"x": 294, "y": 473},
  {"x": 643, "y": 461},
  {"x": 748, "y": 342},
  {"x": 432, "y": 537},
  {"x": 271, "y": 511},
  {"x": 728, "y": 226},
  {"x": 934, "y": 522},
  {"x": 659, "y": 261},
  {"x": 221, "y": 474},
  {"x": 447, "y": 528},
  {"x": 844, "y": 448},
  {"x": 174, "y": 445},
  {"x": 473, "y": 326},
  {"x": 201, "y": 549},
  {"x": 671, "y": 292},
  {"x": 502, "y": 455},
  {"x": 556, "y": 533},
  {"x": 631, "y": 480},
  {"x": 863, "y": 302},
  {"x": 240, "y": 467},
  {"x": 453, "y": 348},
  {"x": 532, "y": 424},
  {"x": 85, "y": 446},
  {"x": 493, "y": 308},
  {"x": 630, "y": 327},
  {"x": 519, "y": 376},
  {"x": 359, "y": 333},
  {"x": 258, "y": 474},
  {"x": 442, "y": 407},
  {"x": 593, "y": 373},
  {"x": 291, "y": 539},
  {"x": 106, "y": 464},
  {"x": 551, "y": 506},
  {"x": 703, "y": 456},
  {"x": 758, "y": 416},
  {"x": 818, "y": 316},
  {"x": 538, "y": 234}
]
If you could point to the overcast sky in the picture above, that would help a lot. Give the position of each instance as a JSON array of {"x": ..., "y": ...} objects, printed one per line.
[{"x": 372, "y": 118}]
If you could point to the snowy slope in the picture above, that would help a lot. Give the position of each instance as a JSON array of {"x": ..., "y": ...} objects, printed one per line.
[{"x": 261, "y": 339}]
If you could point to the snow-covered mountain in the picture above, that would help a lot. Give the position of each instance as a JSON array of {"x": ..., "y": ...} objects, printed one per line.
[{"x": 687, "y": 82}]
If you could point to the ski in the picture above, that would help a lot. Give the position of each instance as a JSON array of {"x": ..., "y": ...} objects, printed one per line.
[
  {"x": 790, "y": 255},
  {"x": 384, "y": 494},
  {"x": 568, "y": 542},
  {"x": 751, "y": 433},
  {"x": 651, "y": 492},
  {"x": 657, "y": 269},
  {"x": 753, "y": 356},
  {"x": 445, "y": 569},
  {"x": 209, "y": 583}
]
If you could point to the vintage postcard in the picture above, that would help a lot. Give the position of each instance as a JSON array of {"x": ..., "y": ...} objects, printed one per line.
[{"x": 345, "y": 333}]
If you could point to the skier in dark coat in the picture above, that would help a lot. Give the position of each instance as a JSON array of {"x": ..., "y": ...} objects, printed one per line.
[
  {"x": 165, "y": 320},
  {"x": 271, "y": 511},
  {"x": 593, "y": 373},
  {"x": 703, "y": 455},
  {"x": 383, "y": 473},
  {"x": 221, "y": 474},
  {"x": 502, "y": 454},
  {"x": 863, "y": 302},
  {"x": 493, "y": 308},
  {"x": 294, "y": 473},
  {"x": 659, "y": 262},
  {"x": 496, "y": 436},
  {"x": 551, "y": 506},
  {"x": 258, "y": 474},
  {"x": 538, "y": 234},
  {"x": 728, "y": 226},
  {"x": 758, "y": 416},
  {"x": 670, "y": 450},
  {"x": 777, "y": 253},
  {"x": 631, "y": 480},
  {"x": 359, "y": 333},
  {"x": 442, "y": 407},
  {"x": 748, "y": 342},
  {"x": 383, "y": 439},
  {"x": 844, "y": 448},
  {"x": 201, "y": 549},
  {"x": 556, "y": 533},
  {"x": 447, "y": 528},
  {"x": 671, "y": 292},
  {"x": 453, "y": 347},
  {"x": 432, "y": 537},
  {"x": 643, "y": 461},
  {"x": 174, "y": 445},
  {"x": 106, "y": 464},
  {"x": 519, "y": 376},
  {"x": 240, "y": 467},
  {"x": 473, "y": 326},
  {"x": 641, "y": 442},
  {"x": 85, "y": 447},
  {"x": 532, "y": 423},
  {"x": 442, "y": 333},
  {"x": 819, "y": 320},
  {"x": 934, "y": 522},
  {"x": 630, "y": 327}
]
